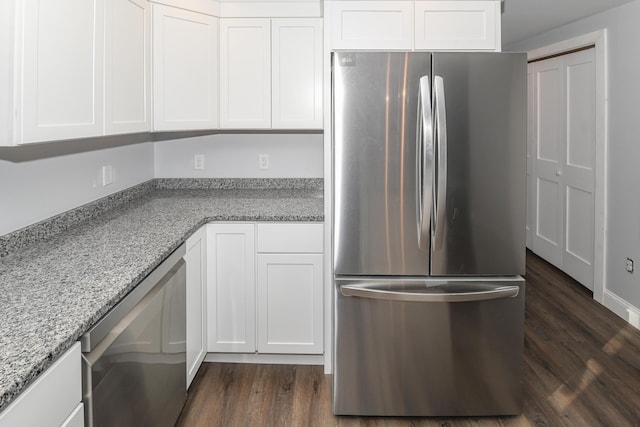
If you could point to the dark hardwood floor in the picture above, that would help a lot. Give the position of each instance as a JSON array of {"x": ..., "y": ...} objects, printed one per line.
[{"x": 582, "y": 368}]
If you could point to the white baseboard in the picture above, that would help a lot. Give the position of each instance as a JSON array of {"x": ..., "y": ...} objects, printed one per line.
[
  {"x": 622, "y": 308},
  {"x": 274, "y": 359}
]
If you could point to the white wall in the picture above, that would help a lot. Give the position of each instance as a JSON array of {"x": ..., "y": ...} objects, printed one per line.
[
  {"x": 623, "y": 165},
  {"x": 236, "y": 155},
  {"x": 43, "y": 180}
]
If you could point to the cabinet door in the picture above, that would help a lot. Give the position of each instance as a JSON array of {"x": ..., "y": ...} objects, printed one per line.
[
  {"x": 290, "y": 303},
  {"x": 76, "y": 419},
  {"x": 185, "y": 51},
  {"x": 196, "y": 259},
  {"x": 245, "y": 73},
  {"x": 127, "y": 66},
  {"x": 51, "y": 398},
  {"x": 296, "y": 55},
  {"x": 378, "y": 25},
  {"x": 231, "y": 288},
  {"x": 7, "y": 20},
  {"x": 61, "y": 71},
  {"x": 453, "y": 25}
]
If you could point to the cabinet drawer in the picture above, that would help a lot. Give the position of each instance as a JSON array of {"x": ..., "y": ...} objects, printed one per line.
[
  {"x": 55, "y": 394},
  {"x": 291, "y": 238}
]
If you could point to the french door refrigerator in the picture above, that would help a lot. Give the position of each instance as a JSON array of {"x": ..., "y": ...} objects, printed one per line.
[{"x": 429, "y": 163}]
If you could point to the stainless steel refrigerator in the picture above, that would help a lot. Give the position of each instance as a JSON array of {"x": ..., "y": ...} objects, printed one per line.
[{"x": 428, "y": 232}]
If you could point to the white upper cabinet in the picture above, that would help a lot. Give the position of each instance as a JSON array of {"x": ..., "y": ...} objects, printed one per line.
[
  {"x": 245, "y": 73},
  {"x": 381, "y": 25},
  {"x": 82, "y": 69},
  {"x": 60, "y": 63},
  {"x": 457, "y": 25},
  {"x": 185, "y": 52},
  {"x": 423, "y": 25},
  {"x": 127, "y": 66},
  {"x": 271, "y": 73},
  {"x": 296, "y": 57},
  {"x": 7, "y": 13}
]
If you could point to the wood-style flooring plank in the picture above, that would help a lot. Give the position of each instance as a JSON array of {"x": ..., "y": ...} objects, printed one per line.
[{"x": 581, "y": 368}]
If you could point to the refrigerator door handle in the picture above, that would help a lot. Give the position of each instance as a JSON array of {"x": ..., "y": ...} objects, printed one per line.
[
  {"x": 424, "y": 161},
  {"x": 365, "y": 291},
  {"x": 440, "y": 195}
]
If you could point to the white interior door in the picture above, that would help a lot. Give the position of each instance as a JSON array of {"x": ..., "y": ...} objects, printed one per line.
[
  {"x": 563, "y": 172},
  {"x": 547, "y": 163},
  {"x": 579, "y": 166}
]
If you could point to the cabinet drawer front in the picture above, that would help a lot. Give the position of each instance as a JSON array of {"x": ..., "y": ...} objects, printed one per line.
[
  {"x": 291, "y": 238},
  {"x": 55, "y": 394}
]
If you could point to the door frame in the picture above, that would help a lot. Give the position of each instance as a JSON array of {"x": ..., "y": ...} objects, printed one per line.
[{"x": 598, "y": 39}]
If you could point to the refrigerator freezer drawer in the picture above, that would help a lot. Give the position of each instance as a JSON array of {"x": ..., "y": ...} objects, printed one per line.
[{"x": 428, "y": 347}]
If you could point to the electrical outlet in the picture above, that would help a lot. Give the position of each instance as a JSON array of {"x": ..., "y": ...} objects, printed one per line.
[
  {"x": 107, "y": 175},
  {"x": 263, "y": 161},
  {"x": 198, "y": 161},
  {"x": 629, "y": 266}
]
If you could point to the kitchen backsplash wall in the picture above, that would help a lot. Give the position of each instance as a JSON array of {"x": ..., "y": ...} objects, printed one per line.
[
  {"x": 236, "y": 155},
  {"x": 43, "y": 180}
]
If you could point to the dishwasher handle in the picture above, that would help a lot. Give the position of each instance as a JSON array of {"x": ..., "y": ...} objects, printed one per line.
[{"x": 425, "y": 295}]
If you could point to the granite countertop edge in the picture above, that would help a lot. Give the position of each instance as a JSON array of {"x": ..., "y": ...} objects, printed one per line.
[{"x": 39, "y": 239}]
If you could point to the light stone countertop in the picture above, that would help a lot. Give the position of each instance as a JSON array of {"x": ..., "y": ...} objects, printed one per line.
[{"x": 52, "y": 291}]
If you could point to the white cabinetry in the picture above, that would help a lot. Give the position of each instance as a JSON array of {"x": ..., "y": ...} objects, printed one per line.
[
  {"x": 54, "y": 399},
  {"x": 231, "y": 288},
  {"x": 60, "y": 77},
  {"x": 82, "y": 69},
  {"x": 290, "y": 288},
  {"x": 457, "y": 25},
  {"x": 196, "y": 259},
  {"x": 296, "y": 58},
  {"x": 245, "y": 73},
  {"x": 282, "y": 312},
  {"x": 185, "y": 52},
  {"x": 423, "y": 25},
  {"x": 381, "y": 25},
  {"x": 271, "y": 73},
  {"x": 127, "y": 73},
  {"x": 7, "y": 22}
]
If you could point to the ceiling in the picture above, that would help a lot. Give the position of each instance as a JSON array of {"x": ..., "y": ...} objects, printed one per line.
[{"x": 522, "y": 19}]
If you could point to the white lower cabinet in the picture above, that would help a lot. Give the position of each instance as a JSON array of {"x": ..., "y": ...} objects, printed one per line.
[
  {"x": 290, "y": 303},
  {"x": 54, "y": 399},
  {"x": 265, "y": 288},
  {"x": 76, "y": 419},
  {"x": 231, "y": 319},
  {"x": 196, "y": 260}
]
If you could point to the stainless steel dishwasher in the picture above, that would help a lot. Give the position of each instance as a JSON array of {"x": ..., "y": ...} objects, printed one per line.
[{"x": 134, "y": 358}]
